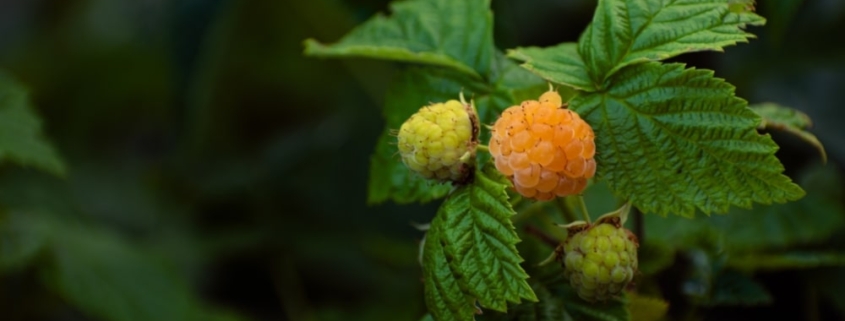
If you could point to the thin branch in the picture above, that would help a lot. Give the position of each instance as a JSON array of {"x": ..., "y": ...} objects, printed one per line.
[
  {"x": 542, "y": 236},
  {"x": 639, "y": 226}
]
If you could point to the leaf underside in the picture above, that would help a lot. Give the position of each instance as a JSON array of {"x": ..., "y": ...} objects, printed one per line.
[
  {"x": 561, "y": 64},
  {"x": 673, "y": 140},
  {"x": 435, "y": 32}
]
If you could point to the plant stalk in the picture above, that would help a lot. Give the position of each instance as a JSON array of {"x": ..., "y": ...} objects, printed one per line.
[
  {"x": 584, "y": 211},
  {"x": 541, "y": 235}
]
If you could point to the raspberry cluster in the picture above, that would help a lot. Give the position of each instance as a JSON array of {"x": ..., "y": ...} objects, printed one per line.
[
  {"x": 544, "y": 149},
  {"x": 600, "y": 260},
  {"x": 438, "y": 141}
]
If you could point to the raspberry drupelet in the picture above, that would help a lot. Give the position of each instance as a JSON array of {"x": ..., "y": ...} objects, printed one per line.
[
  {"x": 600, "y": 260},
  {"x": 544, "y": 149},
  {"x": 438, "y": 141}
]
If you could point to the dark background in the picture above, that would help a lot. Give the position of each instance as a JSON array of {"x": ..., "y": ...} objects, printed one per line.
[{"x": 196, "y": 130}]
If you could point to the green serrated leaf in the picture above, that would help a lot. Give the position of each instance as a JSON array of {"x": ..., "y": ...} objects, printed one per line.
[
  {"x": 474, "y": 224},
  {"x": 444, "y": 298},
  {"x": 625, "y": 32},
  {"x": 734, "y": 288},
  {"x": 455, "y": 34},
  {"x": 792, "y": 121},
  {"x": 560, "y": 64},
  {"x": 673, "y": 140},
  {"x": 810, "y": 220},
  {"x": 785, "y": 261},
  {"x": 21, "y": 140}
]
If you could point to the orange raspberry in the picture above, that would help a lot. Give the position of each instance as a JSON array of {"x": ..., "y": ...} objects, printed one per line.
[{"x": 545, "y": 150}]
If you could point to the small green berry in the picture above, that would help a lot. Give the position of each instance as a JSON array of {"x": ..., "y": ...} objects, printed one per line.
[
  {"x": 438, "y": 141},
  {"x": 600, "y": 260}
]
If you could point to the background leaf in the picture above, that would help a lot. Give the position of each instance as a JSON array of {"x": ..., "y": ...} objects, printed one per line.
[
  {"x": 625, "y": 32},
  {"x": 438, "y": 32},
  {"x": 828, "y": 282},
  {"x": 22, "y": 236},
  {"x": 108, "y": 278},
  {"x": 810, "y": 220},
  {"x": 673, "y": 140},
  {"x": 560, "y": 64},
  {"x": 21, "y": 139},
  {"x": 416, "y": 87},
  {"x": 786, "y": 261},
  {"x": 734, "y": 288}
]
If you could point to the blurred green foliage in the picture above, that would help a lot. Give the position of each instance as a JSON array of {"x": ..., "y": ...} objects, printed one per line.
[{"x": 211, "y": 172}]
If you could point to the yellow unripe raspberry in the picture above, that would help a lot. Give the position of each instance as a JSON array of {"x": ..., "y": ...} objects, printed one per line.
[
  {"x": 438, "y": 142},
  {"x": 544, "y": 149},
  {"x": 600, "y": 259}
]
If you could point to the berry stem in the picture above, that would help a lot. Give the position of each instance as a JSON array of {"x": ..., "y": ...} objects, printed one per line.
[
  {"x": 584, "y": 211},
  {"x": 568, "y": 216},
  {"x": 482, "y": 148}
]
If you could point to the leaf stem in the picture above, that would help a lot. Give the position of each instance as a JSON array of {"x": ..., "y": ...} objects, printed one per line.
[
  {"x": 584, "y": 211},
  {"x": 482, "y": 148}
]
